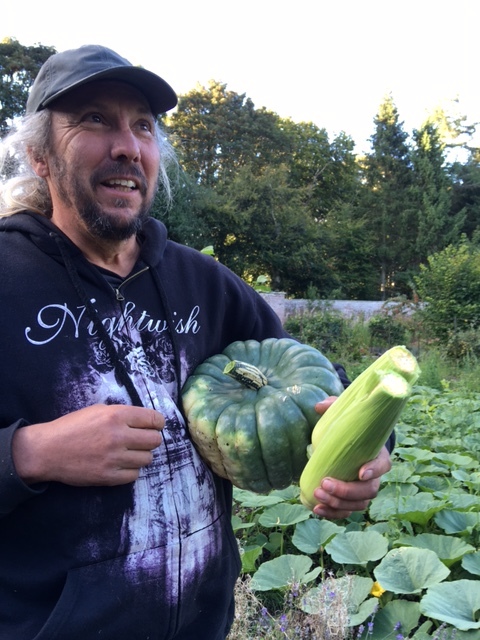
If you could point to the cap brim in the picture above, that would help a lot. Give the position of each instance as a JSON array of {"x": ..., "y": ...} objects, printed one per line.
[{"x": 160, "y": 95}]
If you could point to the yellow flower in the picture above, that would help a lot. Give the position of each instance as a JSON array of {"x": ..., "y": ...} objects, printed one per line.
[{"x": 377, "y": 590}]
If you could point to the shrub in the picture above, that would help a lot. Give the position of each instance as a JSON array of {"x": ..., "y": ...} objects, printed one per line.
[
  {"x": 450, "y": 288},
  {"x": 386, "y": 331},
  {"x": 331, "y": 333}
]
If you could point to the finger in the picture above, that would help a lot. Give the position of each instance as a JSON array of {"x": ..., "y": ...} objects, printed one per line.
[
  {"x": 324, "y": 404},
  {"x": 332, "y": 491},
  {"x": 323, "y": 511},
  {"x": 377, "y": 467},
  {"x": 143, "y": 418},
  {"x": 136, "y": 460},
  {"x": 143, "y": 439},
  {"x": 335, "y": 505}
]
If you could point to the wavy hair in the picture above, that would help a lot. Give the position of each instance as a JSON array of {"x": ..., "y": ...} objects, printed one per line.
[{"x": 22, "y": 190}]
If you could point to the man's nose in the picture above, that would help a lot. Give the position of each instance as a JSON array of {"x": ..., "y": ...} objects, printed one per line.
[{"x": 126, "y": 146}]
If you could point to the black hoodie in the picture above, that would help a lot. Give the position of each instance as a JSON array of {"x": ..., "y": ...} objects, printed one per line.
[{"x": 150, "y": 560}]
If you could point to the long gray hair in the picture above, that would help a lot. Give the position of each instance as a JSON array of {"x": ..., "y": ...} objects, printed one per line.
[{"x": 23, "y": 190}]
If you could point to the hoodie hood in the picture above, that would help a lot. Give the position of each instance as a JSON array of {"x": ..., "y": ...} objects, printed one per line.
[{"x": 42, "y": 232}]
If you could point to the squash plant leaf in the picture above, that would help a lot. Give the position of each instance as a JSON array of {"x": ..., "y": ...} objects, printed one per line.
[
  {"x": 457, "y": 603},
  {"x": 449, "y": 549},
  {"x": 283, "y": 515},
  {"x": 471, "y": 563},
  {"x": 357, "y": 547},
  {"x": 340, "y": 595},
  {"x": 290, "y": 493},
  {"x": 238, "y": 523},
  {"x": 457, "y": 521},
  {"x": 255, "y": 500},
  {"x": 312, "y": 534},
  {"x": 456, "y": 460},
  {"x": 398, "y": 617},
  {"x": 409, "y": 570},
  {"x": 249, "y": 559},
  {"x": 281, "y": 572},
  {"x": 419, "y": 509},
  {"x": 365, "y": 611}
]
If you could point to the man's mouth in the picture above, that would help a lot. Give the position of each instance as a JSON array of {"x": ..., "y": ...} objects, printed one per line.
[{"x": 120, "y": 184}]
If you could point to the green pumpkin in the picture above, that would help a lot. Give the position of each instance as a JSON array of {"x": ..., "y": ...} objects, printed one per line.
[{"x": 255, "y": 430}]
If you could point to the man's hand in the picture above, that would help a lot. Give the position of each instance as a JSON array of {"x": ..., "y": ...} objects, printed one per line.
[
  {"x": 98, "y": 445},
  {"x": 337, "y": 499}
]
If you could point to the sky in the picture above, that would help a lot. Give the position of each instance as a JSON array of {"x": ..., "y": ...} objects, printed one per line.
[{"x": 330, "y": 62}]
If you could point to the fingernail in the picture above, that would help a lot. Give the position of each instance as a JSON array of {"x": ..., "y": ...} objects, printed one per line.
[{"x": 366, "y": 475}]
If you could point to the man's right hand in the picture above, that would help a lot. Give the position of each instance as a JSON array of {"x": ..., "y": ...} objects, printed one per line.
[{"x": 98, "y": 445}]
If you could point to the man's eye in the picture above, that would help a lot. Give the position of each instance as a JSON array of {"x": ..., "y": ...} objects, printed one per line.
[{"x": 94, "y": 117}]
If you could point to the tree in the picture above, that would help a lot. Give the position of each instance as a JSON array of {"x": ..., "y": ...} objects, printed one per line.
[
  {"x": 386, "y": 202},
  {"x": 437, "y": 226},
  {"x": 218, "y": 131},
  {"x": 271, "y": 232},
  {"x": 326, "y": 171},
  {"x": 351, "y": 250},
  {"x": 19, "y": 66},
  {"x": 466, "y": 192}
]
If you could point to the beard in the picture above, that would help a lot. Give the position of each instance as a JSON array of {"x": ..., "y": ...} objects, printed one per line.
[{"x": 102, "y": 225}]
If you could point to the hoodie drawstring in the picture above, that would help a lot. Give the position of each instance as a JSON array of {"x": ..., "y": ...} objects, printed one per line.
[{"x": 121, "y": 372}]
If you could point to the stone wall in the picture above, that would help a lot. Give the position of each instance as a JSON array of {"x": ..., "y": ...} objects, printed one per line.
[{"x": 284, "y": 307}]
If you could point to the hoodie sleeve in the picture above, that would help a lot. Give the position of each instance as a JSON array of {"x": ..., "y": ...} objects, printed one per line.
[{"x": 13, "y": 491}]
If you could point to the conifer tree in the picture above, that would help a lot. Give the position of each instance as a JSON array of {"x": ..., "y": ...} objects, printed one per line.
[{"x": 387, "y": 203}]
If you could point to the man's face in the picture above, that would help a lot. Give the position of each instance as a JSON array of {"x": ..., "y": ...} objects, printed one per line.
[{"x": 103, "y": 162}]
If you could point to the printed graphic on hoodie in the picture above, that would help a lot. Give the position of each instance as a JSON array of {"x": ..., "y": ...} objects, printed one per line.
[{"x": 174, "y": 497}]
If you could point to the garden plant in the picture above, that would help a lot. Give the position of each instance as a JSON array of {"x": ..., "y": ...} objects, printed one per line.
[{"x": 409, "y": 566}]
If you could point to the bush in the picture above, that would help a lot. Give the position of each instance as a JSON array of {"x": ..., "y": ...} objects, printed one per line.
[
  {"x": 450, "y": 288},
  {"x": 386, "y": 331},
  {"x": 331, "y": 333}
]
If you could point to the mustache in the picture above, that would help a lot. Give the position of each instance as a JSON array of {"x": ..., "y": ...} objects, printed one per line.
[{"x": 120, "y": 170}]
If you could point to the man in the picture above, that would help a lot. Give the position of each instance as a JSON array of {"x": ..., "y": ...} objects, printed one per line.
[{"x": 112, "y": 527}]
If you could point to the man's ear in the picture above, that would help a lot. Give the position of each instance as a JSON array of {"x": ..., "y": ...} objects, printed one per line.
[{"x": 39, "y": 164}]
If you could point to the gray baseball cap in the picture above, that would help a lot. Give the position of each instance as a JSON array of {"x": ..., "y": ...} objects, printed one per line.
[{"x": 67, "y": 70}]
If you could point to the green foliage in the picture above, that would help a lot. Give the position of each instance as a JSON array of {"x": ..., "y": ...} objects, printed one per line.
[
  {"x": 19, "y": 65},
  {"x": 449, "y": 285},
  {"x": 387, "y": 172},
  {"x": 408, "y": 564},
  {"x": 217, "y": 131},
  {"x": 386, "y": 331},
  {"x": 466, "y": 192},
  {"x": 437, "y": 226},
  {"x": 323, "y": 328},
  {"x": 281, "y": 199}
]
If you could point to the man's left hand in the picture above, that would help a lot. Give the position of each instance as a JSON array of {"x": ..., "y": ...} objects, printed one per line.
[{"x": 338, "y": 499}]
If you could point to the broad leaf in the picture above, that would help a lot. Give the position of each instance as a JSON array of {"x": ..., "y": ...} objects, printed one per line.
[
  {"x": 283, "y": 515},
  {"x": 471, "y": 563},
  {"x": 313, "y": 533},
  {"x": 398, "y": 617},
  {"x": 282, "y": 572},
  {"x": 448, "y": 548},
  {"x": 457, "y": 521},
  {"x": 457, "y": 603},
  {"x": 409, "y": 570},
  {"x": 357, "y": 547}
]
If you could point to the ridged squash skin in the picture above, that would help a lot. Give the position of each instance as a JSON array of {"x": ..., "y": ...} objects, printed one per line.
[{"x": 258, "y": 438}]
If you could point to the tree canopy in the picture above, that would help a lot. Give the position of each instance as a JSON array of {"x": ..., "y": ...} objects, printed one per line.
[
  {"x": 287, "y": 202},
  {"x": 19, "y": 66}
]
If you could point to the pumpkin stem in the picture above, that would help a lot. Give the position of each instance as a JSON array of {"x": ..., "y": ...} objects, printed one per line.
[{"x": 246, "y": 374}]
